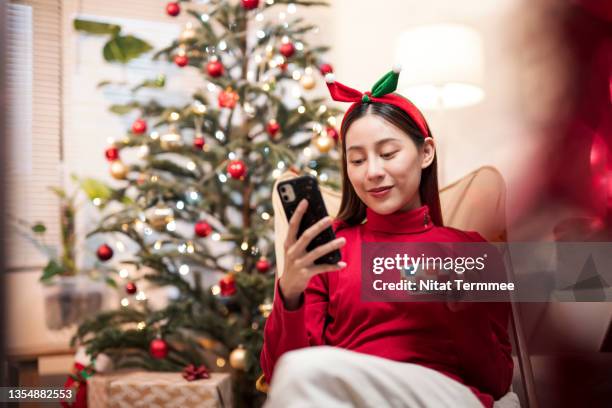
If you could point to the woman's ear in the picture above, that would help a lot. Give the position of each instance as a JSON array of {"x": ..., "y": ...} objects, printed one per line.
[{"x": 429, "y": 152}]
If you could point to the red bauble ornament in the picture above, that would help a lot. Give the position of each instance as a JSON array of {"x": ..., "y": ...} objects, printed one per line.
[
  {"x": 104, "y": 252},
  {"x": 158, "y": 349},
  {"x": 325, "y": 69},
  {"x": 139, "y": 126},
  {"x": 227, "y": 284},
  {"x": 173, "y": 9},
  {"x": 199, "y": 143},
  {"x": 112, "y": 154},
  {"x": 236, "y": 169},
  {"x": 250, "y": 4},
  {"x": 130, "y": 288},
  {"x": 228, "y": 98},
  {"x": 283, "y": 66},
  {"x": 202, "y": 229},
  {"x": 272, "y": 127},
  {"x": 333, "y": 133},
  {"x": 215, "y": 68},
  {"x": 181, "y": 60},
  {"x": 262, "y": 265},
  {"x": 287, "y": 49}
]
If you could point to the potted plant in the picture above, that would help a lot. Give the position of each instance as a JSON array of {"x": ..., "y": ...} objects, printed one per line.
[{"x": 71, "y": 294}]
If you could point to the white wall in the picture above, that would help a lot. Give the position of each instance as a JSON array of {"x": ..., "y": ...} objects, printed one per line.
[{"x": 505, "y": 130}]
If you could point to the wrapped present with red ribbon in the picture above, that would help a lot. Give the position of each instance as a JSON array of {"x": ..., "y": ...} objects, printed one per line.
[{"x": 194, "y": 387}]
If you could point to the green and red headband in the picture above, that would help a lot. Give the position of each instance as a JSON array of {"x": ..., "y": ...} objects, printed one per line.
[{"x": 382, "y": 92}]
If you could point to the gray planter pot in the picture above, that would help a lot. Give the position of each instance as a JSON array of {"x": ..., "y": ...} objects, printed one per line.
[{"x": 71, "y": 300}]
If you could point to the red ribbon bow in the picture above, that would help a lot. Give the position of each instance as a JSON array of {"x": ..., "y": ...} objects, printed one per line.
[
  {"x": 192, "y": 373},
  {"x": 78, "y": 382}
]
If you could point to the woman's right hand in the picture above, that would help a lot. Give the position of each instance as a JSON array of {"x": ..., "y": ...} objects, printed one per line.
[{"x": 299, "y": 264}]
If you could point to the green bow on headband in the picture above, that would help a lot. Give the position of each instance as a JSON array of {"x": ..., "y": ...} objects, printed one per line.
[
  {"x": 382, "y": 92},
  {"x": 385, "y": 85}
]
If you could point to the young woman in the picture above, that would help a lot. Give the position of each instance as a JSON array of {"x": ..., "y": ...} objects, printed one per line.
[{"x": 377, "y": 354}]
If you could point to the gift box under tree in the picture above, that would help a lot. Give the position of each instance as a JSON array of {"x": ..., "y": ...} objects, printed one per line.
[{"x": 158, "y": 389}]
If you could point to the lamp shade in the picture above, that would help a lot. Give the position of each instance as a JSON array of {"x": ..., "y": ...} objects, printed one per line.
[{"x": 442, "y": 66}]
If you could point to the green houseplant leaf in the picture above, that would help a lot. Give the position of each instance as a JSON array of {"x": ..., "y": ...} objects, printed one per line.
[
  {"x": 119, "y": 48},
  {"x": 95, "y": 189},
  {"x": 96, "y": 28},
  {"x": 52, "y": 269},
  {"x": 123, "y": 109},
  {"x": 124, "y": 48},
  {"x": 39, "y": 228},
  {"x": 158, "y": 82}
]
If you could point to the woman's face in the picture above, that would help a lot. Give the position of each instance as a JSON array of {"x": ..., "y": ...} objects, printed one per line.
[{"x": 381, "y": 155}]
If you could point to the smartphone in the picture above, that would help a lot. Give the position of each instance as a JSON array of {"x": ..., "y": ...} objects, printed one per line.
[{"x": 306, "y": 187}]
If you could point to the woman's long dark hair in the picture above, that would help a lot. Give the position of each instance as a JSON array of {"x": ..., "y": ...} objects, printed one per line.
[{"x": 352, "y": 209}]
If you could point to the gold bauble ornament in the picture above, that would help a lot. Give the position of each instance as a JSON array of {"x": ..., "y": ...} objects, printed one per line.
[
  {"x": 249, "y": 110},
  {"x": 188, "y": 34},
  {"x": 170, "y": 140},
  {"x": 198, "y": 107},
  {"x": 238, "y": 358},
  {"x": 266, "y": 308},
  {"x": 308, "y": 82},
  {"x": 143, "y": 152},
  {"x": 118, "y": 170},
  {"x": 159, "y": 216},
  {"x": 324, "y": 143},
  {"x": 269, "y": 51}
]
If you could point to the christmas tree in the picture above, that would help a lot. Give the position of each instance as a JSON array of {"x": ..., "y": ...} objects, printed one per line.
[{"x": 196, "y": 204}]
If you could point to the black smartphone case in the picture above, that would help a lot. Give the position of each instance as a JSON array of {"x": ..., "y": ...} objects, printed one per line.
[{"x": 308, "y": 188}]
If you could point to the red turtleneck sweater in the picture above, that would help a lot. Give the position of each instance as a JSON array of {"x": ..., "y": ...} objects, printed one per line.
[{"x": 471, "y": 345}]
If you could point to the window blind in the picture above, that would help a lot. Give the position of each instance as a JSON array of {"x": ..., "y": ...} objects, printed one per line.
[{"x": 34, "y": 119}]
